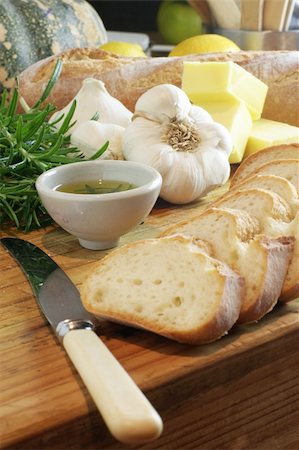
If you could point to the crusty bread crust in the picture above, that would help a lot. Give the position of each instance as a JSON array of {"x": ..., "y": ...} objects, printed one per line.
[
  {"x": 288, "y": 167},
  {"x": 290, "y": 292},
  {"x": 271, "y": 255},
  {"x": 245, "y": 226},
  {"x": 252, "y": 163},
  {"x": 257, "y": 199},
  {"x": 278, "y": 253},
  {"x": 256, "y": 172},
  {"x": 279, "y": 218},
  {"x": 127, "y": 78},
  {"x": 290, "y": 289},
  {"x": 277, "y": 184},
  {"x": 220, "y": 319}
]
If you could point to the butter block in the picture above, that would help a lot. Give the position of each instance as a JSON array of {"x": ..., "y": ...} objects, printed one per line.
[
  {"x": 221, "y": 82},
  {"x": 235, "y": 117},
  {"x": 266, "y": 133}
]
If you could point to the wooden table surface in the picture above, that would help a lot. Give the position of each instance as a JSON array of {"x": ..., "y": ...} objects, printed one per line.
[{"x": 241, "y": 392}]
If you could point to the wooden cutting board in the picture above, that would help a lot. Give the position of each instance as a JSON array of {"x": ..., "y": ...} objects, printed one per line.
[{"x": 240, "y": 392}]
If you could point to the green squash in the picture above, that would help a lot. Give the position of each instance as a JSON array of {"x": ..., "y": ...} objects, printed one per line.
[{"x": 31, "y": 30}]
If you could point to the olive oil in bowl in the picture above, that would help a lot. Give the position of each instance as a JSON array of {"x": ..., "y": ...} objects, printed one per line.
[
  {"x": 96, "y": 187},
  {"x": 71, "y": 194}
]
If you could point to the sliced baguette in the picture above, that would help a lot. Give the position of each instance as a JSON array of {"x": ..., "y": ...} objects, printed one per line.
[
  {"x": 290, "y": 289},
  {"x": 261, "y": 261},
  {"x": 286, "y": 168},
  {"x": 271, "y": 210},
  {"x": 276, "y": 219},
  {"x": 287, "y": 191},
  {"x": 277, "y": 184},
  {"x": 253, "y": 162},
  {"x": 169, "y": 286}
]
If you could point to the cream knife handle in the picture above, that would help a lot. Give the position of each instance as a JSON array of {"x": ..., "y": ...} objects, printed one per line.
[{"x": 126, "y": 411}]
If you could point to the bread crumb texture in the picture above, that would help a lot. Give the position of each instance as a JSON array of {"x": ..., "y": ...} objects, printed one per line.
[{"x": 168, "y": 285}]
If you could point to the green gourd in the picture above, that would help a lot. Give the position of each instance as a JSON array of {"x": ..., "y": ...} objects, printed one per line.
[{"x": 31, "y": 30}]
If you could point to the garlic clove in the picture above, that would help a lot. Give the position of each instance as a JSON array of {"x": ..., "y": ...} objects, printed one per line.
[
  {"x": 214, "y": 136},
  {"x": 185, "y": 182},
  {"x": 141, "y": 142},
  {"x": 192, "y": 176},
  {"x": 216, "y": 169},
  {"x": 198, "y": 114},
  {"x": 92, "y": 135},
  {"x": 93, "y": 98},
  {"x": 164, "y": 100}
]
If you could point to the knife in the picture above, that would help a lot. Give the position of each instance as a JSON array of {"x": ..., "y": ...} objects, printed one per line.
[{"x": 126, "y": 411}]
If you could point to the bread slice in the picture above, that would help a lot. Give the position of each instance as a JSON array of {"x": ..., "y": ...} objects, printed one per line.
[
  {"x": 287, "y": 191},
  {"x": 261, "y": 261},
  {"x": 271, "y": 210},
  {"x": 286, "y": 168},
  {"x": 170, "y": 286},
  {"x": 276, "y": 219},
  {"x": 253, "y": 162},
  {"x": 277, "y": 184}
]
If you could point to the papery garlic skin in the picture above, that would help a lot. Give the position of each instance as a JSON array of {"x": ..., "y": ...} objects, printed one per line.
[
  {"x": 169, "y": 101},
  {"x": 190, "y": 152},
  {"x": 90, "y": 136},
  {"x": 93, "y": 98}
]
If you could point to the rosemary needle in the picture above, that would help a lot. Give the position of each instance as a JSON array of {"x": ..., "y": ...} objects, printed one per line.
[{"x": 30, "y": 145}]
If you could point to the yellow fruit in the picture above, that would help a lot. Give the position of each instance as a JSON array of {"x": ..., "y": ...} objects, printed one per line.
[
  {"x": 123, "y": 48},
  {"x": 204, "y": 43}
]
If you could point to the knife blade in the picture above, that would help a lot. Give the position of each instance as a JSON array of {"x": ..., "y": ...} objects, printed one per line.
[{"x": 128, "y": 414}]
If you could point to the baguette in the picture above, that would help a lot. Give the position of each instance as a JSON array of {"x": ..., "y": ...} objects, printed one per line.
[
  {"x": 277, "y": 184},
  {"x": 234, "y": 239},
  {"x": 266, "y": 170},
  {"x": 268, "y": 208},
  {"x": 270, "y": 154},
  {"x": 127, "y": 78},
  {"x": 170, "y": 286},
  {"x": 276, "y": 218},
  {"x": 288, "y": 168}
]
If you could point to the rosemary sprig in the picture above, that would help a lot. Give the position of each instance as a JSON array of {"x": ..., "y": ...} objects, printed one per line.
[{"x": 30, "y": 145}]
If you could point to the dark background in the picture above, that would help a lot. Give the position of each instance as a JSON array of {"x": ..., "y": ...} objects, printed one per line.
[
  {"x": 140, "y": 15},
  {"x": 135, "y": 16}
]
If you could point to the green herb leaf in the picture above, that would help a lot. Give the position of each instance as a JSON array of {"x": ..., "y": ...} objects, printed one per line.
[
  {"x": 99, "y": 152},
  {"x": 30, "y": 145},
  {"x": 55, "y": 75}
]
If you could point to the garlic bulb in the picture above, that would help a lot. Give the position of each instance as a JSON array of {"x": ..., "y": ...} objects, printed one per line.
[
  {"x": 90, "y": 136},
  {"x": 93, "y": 98},
  {"x": 181, "y": 141}
]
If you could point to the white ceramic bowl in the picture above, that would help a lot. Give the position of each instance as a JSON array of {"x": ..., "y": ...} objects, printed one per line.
[{"x": 99, "y": 220}]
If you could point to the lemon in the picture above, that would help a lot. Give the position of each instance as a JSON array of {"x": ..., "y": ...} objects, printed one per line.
[
  {"x": 123, "y": 48},
  {"x": 204, "y": 43}
]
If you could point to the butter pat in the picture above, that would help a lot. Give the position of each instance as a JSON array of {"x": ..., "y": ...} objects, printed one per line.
[
  {"x": 237, "y": 120},
  {"x": 222, "y": 82},
  {"x": 266, "y": 133}
]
